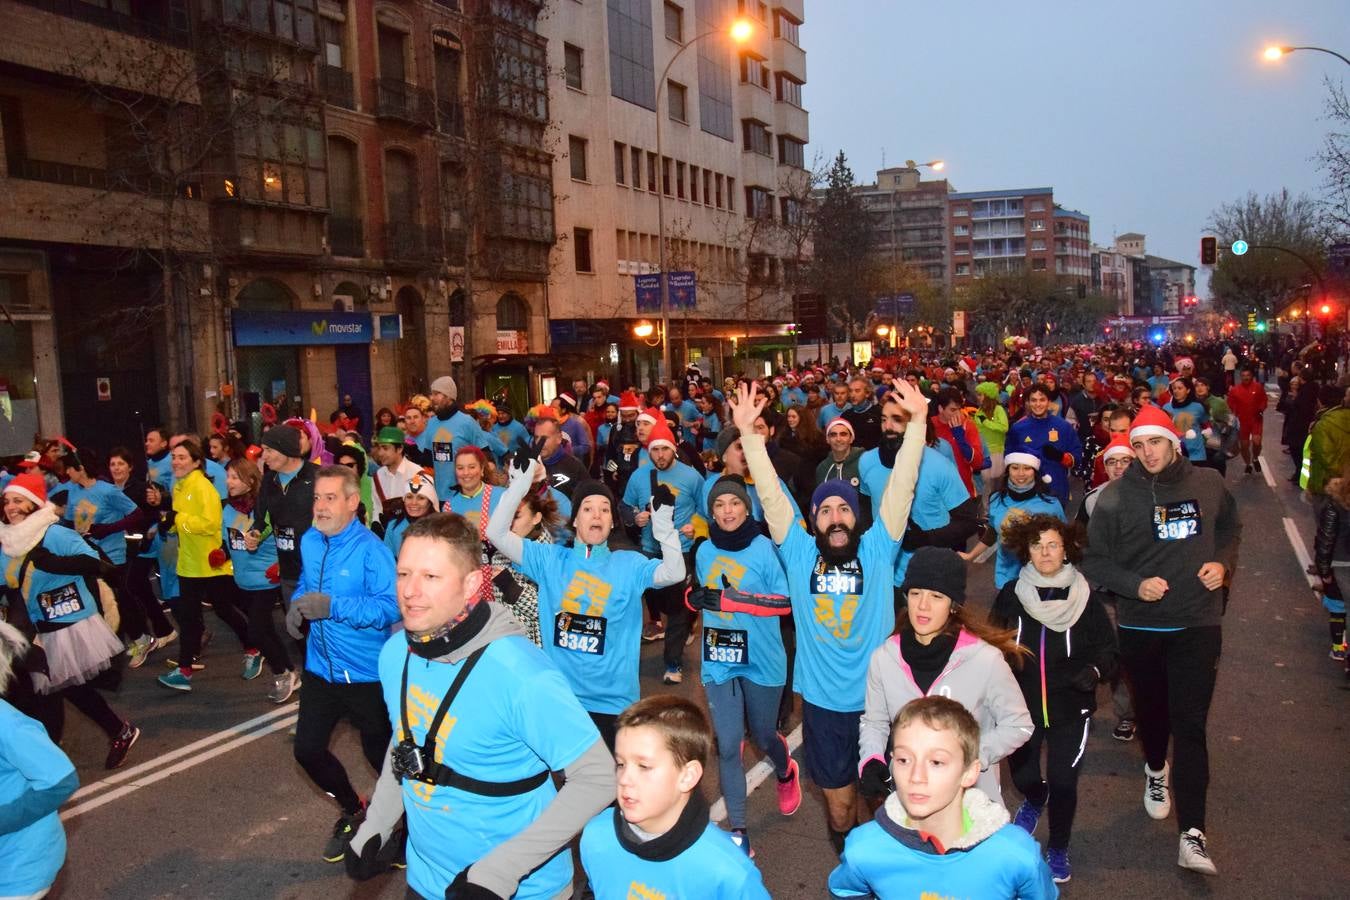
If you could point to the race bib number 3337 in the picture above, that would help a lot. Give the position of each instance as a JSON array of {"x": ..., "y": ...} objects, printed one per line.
[{"x": 1176, "y": 521}]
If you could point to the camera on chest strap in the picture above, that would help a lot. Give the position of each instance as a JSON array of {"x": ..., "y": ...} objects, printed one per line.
[{"x": 406, "y": 760}]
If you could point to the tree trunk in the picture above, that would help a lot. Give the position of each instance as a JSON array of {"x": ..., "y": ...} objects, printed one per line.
[{"x": 172, "y": 350}]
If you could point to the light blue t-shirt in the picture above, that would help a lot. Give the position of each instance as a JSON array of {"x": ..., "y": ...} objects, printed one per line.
[
  {"x": 100, "y": 504},
  {"x": 30, "y": 762},
  {"x": 514, "y": 717},
  {"x": 684, "y": 483},
  {"x": 737, "y": 644},
  {"x": 471, "y": 507},
  {"x": 842, "y": 615},
  {"x": 590, "y": 617},
  {"x": 938, "y": 491},
  {"x": 250, "y": 568},
  {"x": 1001, "y": 505},
  {"x": 712, "y": 868}
]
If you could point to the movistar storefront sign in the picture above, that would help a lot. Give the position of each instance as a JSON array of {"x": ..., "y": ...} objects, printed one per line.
[{"x": 288, "y": 329}]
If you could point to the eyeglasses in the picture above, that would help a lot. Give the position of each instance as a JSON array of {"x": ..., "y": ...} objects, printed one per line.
[{"x": 1050, "y": 547}]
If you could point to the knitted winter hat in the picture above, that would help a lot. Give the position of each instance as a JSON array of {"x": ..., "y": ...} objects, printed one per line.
[
  {"x": 284, "y": 439},
  {"x": 30, "y": 486},
  {"x": 1119, "y": 446},
  {"x": 1152, "y": 422},
  {"x": 445, "y": 385},
  {"x": 725, "y": 438},
  {"x": 835, "y": 487},
  {"x": 728, "y": 484},
  {"x": 936, "y": 569},
  {"x": 589, "y": 489},
  {"x": 424, "y": 485},
  {"x": 661, "y": 436}
]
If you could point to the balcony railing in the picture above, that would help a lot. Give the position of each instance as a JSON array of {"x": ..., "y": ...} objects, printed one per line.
[
  {"x": 346, "y": 237},
  {"x": 337, "y": 86},
  {"x": 450, "y": 118},
  {"x": 395, "y": 99},
  {"x": 411, "y": 241},
  {"x": 170, "y": 28},
  {"x": 97, "y": 179}
]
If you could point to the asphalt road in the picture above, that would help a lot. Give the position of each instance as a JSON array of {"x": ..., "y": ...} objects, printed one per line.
[{"x": 212, "y": 805}]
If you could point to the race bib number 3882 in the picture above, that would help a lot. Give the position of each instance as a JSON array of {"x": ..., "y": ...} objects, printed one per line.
[{"x": 1176, "y": 521}]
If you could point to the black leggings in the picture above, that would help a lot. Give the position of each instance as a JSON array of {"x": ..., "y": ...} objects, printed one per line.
[
  {"x": 220, "y": 591},
  {"x": 322, "y": 705},
  {"x": 1066, "y": 742},
  {"x": 141, "y": 610},
  {"x": 262, "y": 628}
]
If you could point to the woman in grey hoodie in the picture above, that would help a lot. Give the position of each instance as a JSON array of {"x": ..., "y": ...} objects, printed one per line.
[{"x": 939, "y": 648}]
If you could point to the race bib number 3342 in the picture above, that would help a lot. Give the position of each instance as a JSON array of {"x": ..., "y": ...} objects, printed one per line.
[
  {"x": 580, "y": 634},
  {"x": 1176, "y": 521}
]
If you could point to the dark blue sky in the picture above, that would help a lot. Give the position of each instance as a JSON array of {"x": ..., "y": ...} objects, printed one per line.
[{"x": 1145, "y": 116}]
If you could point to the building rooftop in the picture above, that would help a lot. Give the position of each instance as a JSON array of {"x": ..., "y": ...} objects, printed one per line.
[
  {"x": 1071, "y": 213},
  {"x": 1162, "y": 262},
  {"x": 1130, "y": 236},
  {"x": 1010, "y": 192}
]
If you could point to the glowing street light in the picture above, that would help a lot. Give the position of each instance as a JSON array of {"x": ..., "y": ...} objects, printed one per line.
[
  {"x": 1274, "y": 52},
  {"x": 643, "y": 329},
  {"x": 883, "y": 330}
]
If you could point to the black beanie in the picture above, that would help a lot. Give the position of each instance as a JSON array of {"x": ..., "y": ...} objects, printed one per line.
[
  {"x": 591, "y": 489},
  {"x": 725, "y": 438},
  {"x": 729, "y": 484},
  {"x": 936, "y": 569},
  {"x": 284, "y": 439}
]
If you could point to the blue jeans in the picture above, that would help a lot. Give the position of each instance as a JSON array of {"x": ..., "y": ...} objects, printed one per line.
[{"x": 733, "y": 704}]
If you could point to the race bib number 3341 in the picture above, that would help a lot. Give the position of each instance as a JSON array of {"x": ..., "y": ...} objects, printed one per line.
[{"x": 1176, "y": 521}]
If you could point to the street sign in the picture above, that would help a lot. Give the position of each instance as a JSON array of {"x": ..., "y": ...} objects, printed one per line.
[
  {"x": 959, "y": 323},
  {"x": 905, "y": 303},
  {"x": 1239, "y": 247}
]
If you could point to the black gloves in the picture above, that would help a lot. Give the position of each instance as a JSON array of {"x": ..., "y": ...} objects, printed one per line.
[
  {"x": 662, "y": 496},
  {"x": 1086, "y": 679},
  {"x": 376, "y": 856},
  {"x": 521, "y": 461},
  {"x": 1051, "y": 451},
  {"x": 705, "y": 598},
  {"x": 875, "y": 780},
  {"x": 463, "y": 889},
  {"x": 98, "y": 532}
]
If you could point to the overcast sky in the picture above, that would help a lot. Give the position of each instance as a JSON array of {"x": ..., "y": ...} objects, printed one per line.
[{"x": 1144, "y": 115}]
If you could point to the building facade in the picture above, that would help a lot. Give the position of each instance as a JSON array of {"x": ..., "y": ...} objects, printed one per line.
[
  {"x": 994, "y": 232},
  {"x": 909, "y": 217},
  {"x": 728, "y": 178},
  {"x": 251, "y": 209}
]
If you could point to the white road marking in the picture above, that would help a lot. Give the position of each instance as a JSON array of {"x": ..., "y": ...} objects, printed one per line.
[
  {"x": 131, "y": 773},
  {"x": 1266, "y": 473},
  {"x": 1300, "y": 551},
  {"x": 161, "y": 774},
  {"x": 755, "y": 776}
]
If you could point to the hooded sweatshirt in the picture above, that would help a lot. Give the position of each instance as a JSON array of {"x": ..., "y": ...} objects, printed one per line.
[
  {"x": 1166, "y": 526},
  {"x": 889, "y": 858},
  {"x": 977, "y": 676},
  {"x": 514, "y": 717}
]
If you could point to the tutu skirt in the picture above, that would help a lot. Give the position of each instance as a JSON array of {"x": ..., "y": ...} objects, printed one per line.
[{"x": 76, "y": 654}]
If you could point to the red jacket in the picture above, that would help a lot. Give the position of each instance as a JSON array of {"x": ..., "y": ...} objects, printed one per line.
[
  {"x": 1247, "y": 402},
  {"x": 967, "y": 467}
]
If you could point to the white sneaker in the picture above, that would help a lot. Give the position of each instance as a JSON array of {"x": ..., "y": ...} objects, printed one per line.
[
  {"x": 1157, "y": 798},
  {"x": 1192, "y": 853}
]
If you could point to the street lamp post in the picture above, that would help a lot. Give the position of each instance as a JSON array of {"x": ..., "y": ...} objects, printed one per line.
[
  {"x": 739, "y": 32},
  {"x": 1273, "y": 52}
]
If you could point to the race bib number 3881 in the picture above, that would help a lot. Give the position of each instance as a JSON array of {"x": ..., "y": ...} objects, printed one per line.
[{"x": 1176, "y": 521}]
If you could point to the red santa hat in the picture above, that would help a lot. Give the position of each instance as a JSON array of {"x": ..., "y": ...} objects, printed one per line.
[
  {"x": 843, "y": 423},
  {"x": 629, "y": 402},
  {"x": 661, "y": 437},
  {"x": 1119, "y": 446},
  {"x": 29, "y": 486},
  {"x": 651, "y": 414},
  {"x": 1153, "y": 422}
]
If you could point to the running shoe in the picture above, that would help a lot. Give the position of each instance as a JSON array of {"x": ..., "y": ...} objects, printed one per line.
[
  {"x": 343, "y": 830},
  {"x": 1124, "y": 730},
  {"x": 790, "y": 791},
  {"x": 1247, "y": 470},
  {"x": 283, "y": 686},
  {"x": 1058, "y": 860},
  {"x": 138, "y": 651},
  {"x": 742, "y": 840},
  {"x": 252, "y": 665},
  {"x": 1157, "y": 800},
  {"x": 1192, "y": 853},
  {"x": 167, "y": 639},
  {"x": 177, "y": 681},
  {"x": 1256, "y": 464},
  {"x": 653, "y": 631},
  {"x": 674, "y": 675},
  {"x": 120, "y": 746},
  {"x": 1028, "y": 817},
  {"x": 1338, "y": 651}
]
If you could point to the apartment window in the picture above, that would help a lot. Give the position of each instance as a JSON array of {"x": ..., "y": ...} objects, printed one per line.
[
  {"x": 1038, "y": 264},
  {"x": 651, "y": 172},
  {"x": 715, "y": 76},
  {"x": 731, "y": 194},
  {"x": 758, "y": 203},
  {"x": 753, "y": 8},
  {"x": 1038, "y": 244},
  {"x": 707, "y": 188},
  {"x": 961, "y": 230},
  {"x": 963, "y": 268},
  {"x": 620, "y": 159},
  {"x": 675, "y": 23},
  {"x": 960, "y": 212},
  {"x": 961, "y": 249},
  {"x": 1037, "y": 206},
  {"x": 791, "y": 152},
  {"x": 676, "y": 100},
  {"x": 679, "y": 180},
  {"x": 693, "y": 184},
  {"x": 791, "y": 211},
  {"x": 581, "y": 246},
  {"x": 756, "y": 136},
  {"x": 573, "y": 61},
  {"x": 786, "y": 27},
  {"x": 719, "y": 192},
  {"x": 333, "y": 42},
  {"x": 1037, "y": 225},
  {"x": 576, "y": 154},
  {"x": 635, "y": 157},
  {"x": 753, "y": 70},
  {"x": 789, "y": 89},
  {"x": 665, "y": 175},
  {"x": 632, "y": 73}
]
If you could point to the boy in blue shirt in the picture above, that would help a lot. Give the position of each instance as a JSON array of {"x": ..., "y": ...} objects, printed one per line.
[
  {"x": 657, "y": 840},
  {"x": 938, "y": 835}
]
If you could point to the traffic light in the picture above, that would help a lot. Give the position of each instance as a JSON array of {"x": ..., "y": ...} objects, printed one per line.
[
  {"x": 1325, "y": 309},
  {"x": 1260, "y": 327},
  {"x": 1209, "y": 251}
]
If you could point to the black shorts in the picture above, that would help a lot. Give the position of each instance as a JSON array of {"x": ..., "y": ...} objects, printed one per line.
[{"x": 830, "y": 745}]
